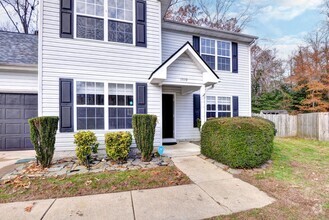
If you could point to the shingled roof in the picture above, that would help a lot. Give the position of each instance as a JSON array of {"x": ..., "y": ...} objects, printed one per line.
[{"x": 17, "y": 48}]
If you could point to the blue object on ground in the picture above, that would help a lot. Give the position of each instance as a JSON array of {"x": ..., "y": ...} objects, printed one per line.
[{"x": 160, "y": 150}]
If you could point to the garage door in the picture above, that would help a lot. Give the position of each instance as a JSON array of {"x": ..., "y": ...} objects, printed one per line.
[{"x": 15, "y": 110}]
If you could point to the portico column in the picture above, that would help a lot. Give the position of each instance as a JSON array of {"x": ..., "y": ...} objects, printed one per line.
[{"x": 202, "y": 104}]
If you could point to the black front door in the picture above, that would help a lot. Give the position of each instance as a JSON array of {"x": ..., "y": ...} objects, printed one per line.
[{"x": 168, "y": 116}]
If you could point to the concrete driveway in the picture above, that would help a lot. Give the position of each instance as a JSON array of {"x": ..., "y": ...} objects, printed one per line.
[{"x": 9, "y": 158}]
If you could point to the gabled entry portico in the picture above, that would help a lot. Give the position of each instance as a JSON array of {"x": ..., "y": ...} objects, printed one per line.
[{"x": 183, "y": 74}]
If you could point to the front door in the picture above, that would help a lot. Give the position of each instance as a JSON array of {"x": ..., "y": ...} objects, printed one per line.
[{"x": 168, "y": 116}]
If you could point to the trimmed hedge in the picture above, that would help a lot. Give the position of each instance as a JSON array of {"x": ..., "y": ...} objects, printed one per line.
[
  {"x": 117, "y": 145},
  {"x": 238, "y": 142},
  {"x": 43, "y": 137},
  {"x": 144, "y": 130},
  {"x": 86, "y": 143}
]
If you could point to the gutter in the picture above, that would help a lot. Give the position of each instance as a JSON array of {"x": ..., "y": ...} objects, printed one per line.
[{"x": 19, "y": 67}]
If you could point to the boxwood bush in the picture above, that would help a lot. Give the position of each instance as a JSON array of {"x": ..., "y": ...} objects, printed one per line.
[
  {"x": 86, "y": 144},
  {"x": 43, "y": 136},
  {"x": 144, "y": 129},
  {"x": 238, "y": 142},
  {"x": 117, "y": 145}
]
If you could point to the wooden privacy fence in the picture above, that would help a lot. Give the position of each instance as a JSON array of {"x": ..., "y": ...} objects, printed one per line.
[{"x": 310, "y": 125}]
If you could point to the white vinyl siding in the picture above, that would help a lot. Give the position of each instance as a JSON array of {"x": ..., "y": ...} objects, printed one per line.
[
  {"x": 184, "y": 64},
  {"x": 237, "y": 84},
  {"x": 19, "y": 82},
  {"x": 87, "y": 60}
]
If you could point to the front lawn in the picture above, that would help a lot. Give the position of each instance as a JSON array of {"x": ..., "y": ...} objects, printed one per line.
[
  {"x": 298, "y": 179},
  {"x": 23, "y": 189}
]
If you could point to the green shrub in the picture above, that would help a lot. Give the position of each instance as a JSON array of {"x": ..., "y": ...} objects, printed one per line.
[
  {"x": 117, "y": 145},
  {"x": 144, "y": 129},
  {"x": 86, "y": 143},
  {"x": 43, "y": 137},
  {"x": 238, "y": 142}
]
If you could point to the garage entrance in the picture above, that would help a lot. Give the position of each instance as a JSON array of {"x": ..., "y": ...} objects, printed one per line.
[{"x": 15, "y": 110}]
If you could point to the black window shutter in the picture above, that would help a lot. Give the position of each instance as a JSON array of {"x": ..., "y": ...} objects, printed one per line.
[
  {"x": 141, "y": 97},
  {"x": 141, "y": 23},
  {"x": 235, "y": 63},
  {"x": 66, "y": 105},
  {"x": 235, "y": 106},
  {"x": 196, "y": 43},
  {"x": 66, "y": 19},
  {"x": 196, "y": 109}
]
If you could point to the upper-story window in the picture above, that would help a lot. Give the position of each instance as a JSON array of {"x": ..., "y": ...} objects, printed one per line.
[
  {"x": 217, "y": 54},
  {"x": 90, "y": 19},
  {"x": 109, "y": 20},
  {"x": 120, "y": 21}
]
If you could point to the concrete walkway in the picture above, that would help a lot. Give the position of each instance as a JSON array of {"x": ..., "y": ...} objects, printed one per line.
[
  {"x": 181, "y": 150},
  {"x": 214, "y": 192}
]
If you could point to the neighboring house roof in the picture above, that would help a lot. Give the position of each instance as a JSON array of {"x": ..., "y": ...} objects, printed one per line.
[
  {"x": 206, "y": 31},
  {"x": 18, "y": 48},
  {"x": 164, "y": 7}
]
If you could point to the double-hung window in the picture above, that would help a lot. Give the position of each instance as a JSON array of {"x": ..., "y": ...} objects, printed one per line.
[
  {"x": 109, "y": 20},
  {"x": 224, "y": 56},
  {"x": 97, "y": 100},
  {"x": 211, "y": 106},
  {"x": 224, "y": 107},
  {"x": 90, "y": 19},
  {"x": 208, "y": 52},
  {"x": 218, "y": 106},
  {"x": 121, "y": 105},
  {"x": 120, "y": 23},
  {"x": 90, "y": 105},
  {"x": 217, "y": 54}
]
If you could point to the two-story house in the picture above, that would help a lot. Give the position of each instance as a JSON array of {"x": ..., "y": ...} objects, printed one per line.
[{"x": 101, "y": 61}]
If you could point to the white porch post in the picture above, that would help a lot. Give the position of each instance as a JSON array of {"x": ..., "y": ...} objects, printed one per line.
[{"x": 202, "y": 104}]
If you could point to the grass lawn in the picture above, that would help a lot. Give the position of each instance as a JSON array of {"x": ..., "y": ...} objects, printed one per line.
[
  {"x": 298, "y": 179},
  {"x": 91, "y": 183}
]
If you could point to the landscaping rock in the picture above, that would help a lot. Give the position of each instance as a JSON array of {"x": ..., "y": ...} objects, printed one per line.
[
  {"x": 71, "y": 166},
  {"x": 234, "y": 171},
  {"x": 222, "y": 166}
]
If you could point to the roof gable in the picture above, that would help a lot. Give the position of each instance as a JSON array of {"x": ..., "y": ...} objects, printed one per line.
[{"x": 160, "y": 74}]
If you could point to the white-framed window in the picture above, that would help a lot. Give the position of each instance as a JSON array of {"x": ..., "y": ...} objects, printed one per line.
[
  {"x": 208, "y": 51},
  {"x": 90, "y": 105},
  {"x": 106, "y": 20},
  {"x": 120, "y": 23},
  {"x": 121, "y": 105},
  {"x": 90, "y": 19},
  {"x": 224, "y": 55},
  {"x": 103, "y": 105},
  {"x": 211, "y": 106},
  {"x": 224, "y": 107},
  {"x": 217, "y": 54},
  {"x": 218, "y": 106}
]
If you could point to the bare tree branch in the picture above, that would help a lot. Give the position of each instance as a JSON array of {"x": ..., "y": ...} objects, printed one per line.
[
  {"x": 215, "y": 14},
  {"x": 22, "y": 10}
]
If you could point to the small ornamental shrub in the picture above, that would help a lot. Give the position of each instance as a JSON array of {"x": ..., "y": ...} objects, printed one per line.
[
  {"x": 144, "y": 129},
  {"x": 238, "y": 142},
  {"x": 117, "y": 145},
  {"x": 43, "y": 137},
  {"x": 86, "y": 144}
]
